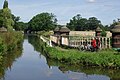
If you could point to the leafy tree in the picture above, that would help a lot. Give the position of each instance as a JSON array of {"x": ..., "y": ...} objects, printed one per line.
[
  {"x": 81, "y": 24},
  {"x": 106, "y": 28},
  {"x": 1, "y": 18},
  {"x": 8, "y": 22},
  {"x": 5, "y": 5},
  {"x": 6, "y": 17},
  {"x": 93, "y": 23},
  {"x": 74, "y": 22},
  {"x": 103, "y": 33},
  {"x": 44, "y": 21},
  {"x": 18, "y": 26},
  {"x": 115, "y": 22}
]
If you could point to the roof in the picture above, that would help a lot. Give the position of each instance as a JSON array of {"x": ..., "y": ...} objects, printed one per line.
[
  {"x": 64, "y": 29},
  {"x": 56, "y": 29},
  {"x": 116, "y": 29},
  {"x": 3, "y": 29},
  {"x": 98, "y": 29}
]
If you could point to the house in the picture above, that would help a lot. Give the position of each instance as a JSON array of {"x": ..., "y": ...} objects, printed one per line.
[{"x": 3, "y": 29}]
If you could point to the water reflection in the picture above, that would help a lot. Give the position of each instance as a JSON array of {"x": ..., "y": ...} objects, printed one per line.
[
  {"x": 85, "y": 72},
  {"x": 8, "y": 60},
  {"x": 76, "y": 72}
]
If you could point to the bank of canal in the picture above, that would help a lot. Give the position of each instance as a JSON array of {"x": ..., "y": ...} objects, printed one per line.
[{"x": 32, "y": 65}]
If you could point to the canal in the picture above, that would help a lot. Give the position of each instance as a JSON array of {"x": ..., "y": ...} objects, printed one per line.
[{"x": 30, "y": 64}]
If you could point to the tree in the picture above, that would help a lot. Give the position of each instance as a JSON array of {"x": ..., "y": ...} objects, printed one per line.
[
  {"x": 5, "y": 5},
  {"x": 81, "y": 24},
  {"x": 44, "y": 21},
  {"x": 106, "y": 28},
  {"x": 115, "y": 22},
  {"x": 74, "y": 22},
  {"x": 20, "y": 26},
  {"x": 6, "y": 17},
  {"x": 93, "y": 23},
  {"x": 8, "y": 22},
  {"x": 1, "y": 18}
]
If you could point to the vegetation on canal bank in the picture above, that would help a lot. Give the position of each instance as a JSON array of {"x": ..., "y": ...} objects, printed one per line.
[
  {"x": 104, "y": 58},
  {"x": 9, "y": 58},
  {"x": 9, "y": 41}
]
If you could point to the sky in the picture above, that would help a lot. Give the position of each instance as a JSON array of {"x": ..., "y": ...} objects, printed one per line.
[{"x": 104, "y": 10}]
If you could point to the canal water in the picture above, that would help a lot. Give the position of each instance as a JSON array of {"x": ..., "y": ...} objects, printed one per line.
[{"x": 30, "y": 64}]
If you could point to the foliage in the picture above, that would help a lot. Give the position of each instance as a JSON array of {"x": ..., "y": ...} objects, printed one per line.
[
  {"x": 103, "y": 33},
  {"x": 106, "y": 28},
  {"x": 2, "y": 46},
  {"x": 81, "y": 24},
  {"x": 45, "y": 33},
  {"x": 18, "y": 26},
  {"x": 9, "y": 41},
  {"x": 6, "y": 17},
  {"x": 115, "y": 22},
  {"x": 5, "y": 5},
  {"x": 1, "y": 18},
  {"x": 7, "y": 22},
  {"x": 8, "y": 59},
  {"x": 42, "y": 22},
  {"x": 102, "y": 58}
]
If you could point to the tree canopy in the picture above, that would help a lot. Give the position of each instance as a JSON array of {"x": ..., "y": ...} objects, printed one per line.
[
  {"x": 43, "y": 21},
  {"x": 115, "y": 22},
  {"x": 5, "y": 5},
  {"x": 1, "y": 18},
  {"x": 81, "y": 24},
  {"x": 6, "y": 17}
]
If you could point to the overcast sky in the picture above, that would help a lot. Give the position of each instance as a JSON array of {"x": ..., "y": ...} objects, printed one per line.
[{"x": 104, "y": 10}]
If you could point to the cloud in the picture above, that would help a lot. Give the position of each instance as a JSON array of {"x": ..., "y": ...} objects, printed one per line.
[{"x": 91, "y": 1}]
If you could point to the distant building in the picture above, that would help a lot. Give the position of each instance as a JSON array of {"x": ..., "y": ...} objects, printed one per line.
[
  {"x": 3, "y": 29},
  {"x": 116, "y": 36},
  {"x": 61, "y": 31},
  {"x": 98, "y": 32}
]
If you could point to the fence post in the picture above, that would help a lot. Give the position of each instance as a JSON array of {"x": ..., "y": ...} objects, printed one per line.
[
  {"x": 105, "y": 42},
  {"x": 109, "y": 43}
]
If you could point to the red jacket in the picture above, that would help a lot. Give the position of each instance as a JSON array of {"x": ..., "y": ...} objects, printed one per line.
[{"x": 94, "y": 43}]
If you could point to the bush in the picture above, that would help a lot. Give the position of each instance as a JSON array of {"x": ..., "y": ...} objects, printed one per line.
[
  {"x": 9, "y": 40},
  {"x": 103, "y": 33}
]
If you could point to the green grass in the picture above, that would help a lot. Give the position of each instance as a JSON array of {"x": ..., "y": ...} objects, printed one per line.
[{"x": 105, "y": 58}]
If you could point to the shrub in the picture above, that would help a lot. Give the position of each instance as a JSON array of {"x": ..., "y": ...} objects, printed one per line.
[{"x": 9, "y": 40}]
